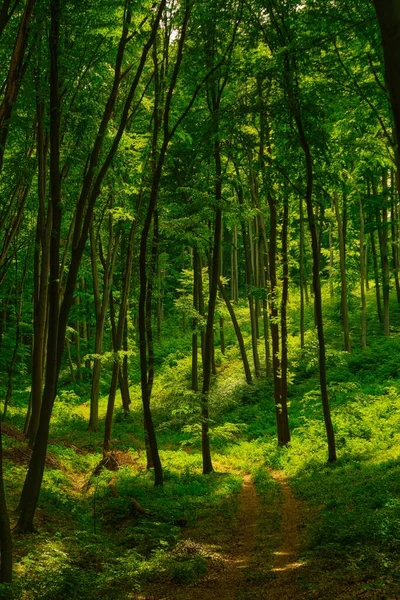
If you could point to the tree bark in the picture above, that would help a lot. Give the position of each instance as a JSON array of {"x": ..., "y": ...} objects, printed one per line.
[
  {"x": 195, "y": 376},
  {"x": 362, "y": 278},
  {"x": 284, "y": 335},
  {"x": 238, "y": 333},
  {"x": 388, "y": 13},
  {"x": 6, "y": 545},
  {"x": 90, "y": 191},
  {"x": 303, "y": 283},
  {"x": 317, "y": 291},
  {"x": 15, "y": 75},
  {"x": 343, "y": 279},
  {"x": 234, "y": 266},
  {"x": 101, "y": 308},
  {"x": 31, "y": 489},
  {"x": 41, "y": 276}
]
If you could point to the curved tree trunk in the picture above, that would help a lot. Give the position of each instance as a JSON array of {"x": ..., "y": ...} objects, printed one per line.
[{"x": 238, "y": 333}]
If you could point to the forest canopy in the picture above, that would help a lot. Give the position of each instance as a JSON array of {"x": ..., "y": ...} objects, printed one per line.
[{"x": 199, "y": 298}]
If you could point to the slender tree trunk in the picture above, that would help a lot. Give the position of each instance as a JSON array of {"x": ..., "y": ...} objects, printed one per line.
[
  {"x": 343, "y": 278},
  {"x": 15, "y": 76},
  {"x": 284, "y": 335},
  {"x": 78, "y": 338},
  {"x": 119, "y": 333},
  {"x": 6, "y": 546},
  {"x": 249, "y": 283},
  {"x": 195, "y": 380},
  {"x": 362, "y": 278},
  {"x": 330, "y": 261},
  {"x": 41, "y": 276},
  {"x": 201, "y": 305},
  {"x": 151, "y": 440},
  {"x": 238, "y": 333},
  {"x": 317, "y": 291},
  {"x": 19, "y": 296},
  {"x": 123, "y": 373},
  {"x": 31, "y": 489},
  {"x": 385, "y": 272},
  {"x": 90, "y": 190},
  {"x": 303, "y": 283},
  {"x": 234, "y": 266},
  {"x": 159, "y": 300},
  {"x": 264, "y": 276},
  {"x": 221, "y": 319},
  {"x": 383, "y": 242},
  {"x": 70, "y": 363},
  {"x": 101, "y": 308},
  {"x": 281, "y": 415},
  {"x": 376, "y": 277}
]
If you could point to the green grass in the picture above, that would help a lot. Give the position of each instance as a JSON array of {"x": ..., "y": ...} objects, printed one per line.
[{"x": 92, "y": 540}]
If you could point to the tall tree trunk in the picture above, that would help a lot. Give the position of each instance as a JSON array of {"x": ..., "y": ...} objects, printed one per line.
[
  {"x": 281, "y": 415},
  {"x": 284, "y": 334},
  {"x": 31, "y": 489},
  {"x": 201, "y": 304},
  {"x": 234, "y": 266},
  {"x": 317, "y": 289},
  {"x": 19, "y": 296},
  {"x": 214, "y": 277},
  {"x": 78, "y": 337},
  {"x": 388, "y": 13},
  {"x": 123, "y": 372},
  {"x": 303, "y": 283},
  {"x": 343, "y": 278},
  {"x": 101, "y": 308},
  {"x": 144, "y": 329},
  {"x": 221, "y": 318},
  {"x": 264, "y": 276},
  {"x": 376, "y": 276},
  {"x": 362, "y": 278},
  {"x": 90, "y": 190},
  {"x": 119, "y": 332},
  {"x": 383, "y": 243},
  {"x": 238, "y": 333},
  {"x": 330, "y": 261},
  {"x": 15, "y": 76},
  {"x": 249, "y": 284},
  {"x": 196, "y": 266},
  {"x": 6, "y": 546},
  {"x": 41, "y": 277}
]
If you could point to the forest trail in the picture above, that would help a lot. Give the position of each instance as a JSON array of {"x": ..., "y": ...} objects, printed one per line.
[
  {"x": 248, "y": 565},
  {"x": 286, "y": 559}
]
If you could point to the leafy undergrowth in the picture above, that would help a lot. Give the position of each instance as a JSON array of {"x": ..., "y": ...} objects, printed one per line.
[{"x": 107, "y": 534}]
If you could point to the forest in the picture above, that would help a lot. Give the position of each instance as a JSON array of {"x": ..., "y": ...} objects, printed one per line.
[{"x": 199, "y": 299}]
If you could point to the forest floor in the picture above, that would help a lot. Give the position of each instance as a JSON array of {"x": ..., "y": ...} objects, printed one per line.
[
  {"x": 231, "y": 545},
  {"x": 269, "y": 523}
]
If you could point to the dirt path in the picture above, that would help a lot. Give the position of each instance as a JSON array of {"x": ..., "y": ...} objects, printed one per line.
[
  {"x": 251, "y": 563},
  {"x": 286, "y": 561},
  {"x": 224, "y": 582}
]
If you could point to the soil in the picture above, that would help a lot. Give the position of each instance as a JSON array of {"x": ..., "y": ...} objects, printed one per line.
[{"x": 245, "y": 567}]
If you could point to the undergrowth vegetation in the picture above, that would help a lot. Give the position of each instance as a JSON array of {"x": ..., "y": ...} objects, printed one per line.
[{"x": 107, "y": 532}]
